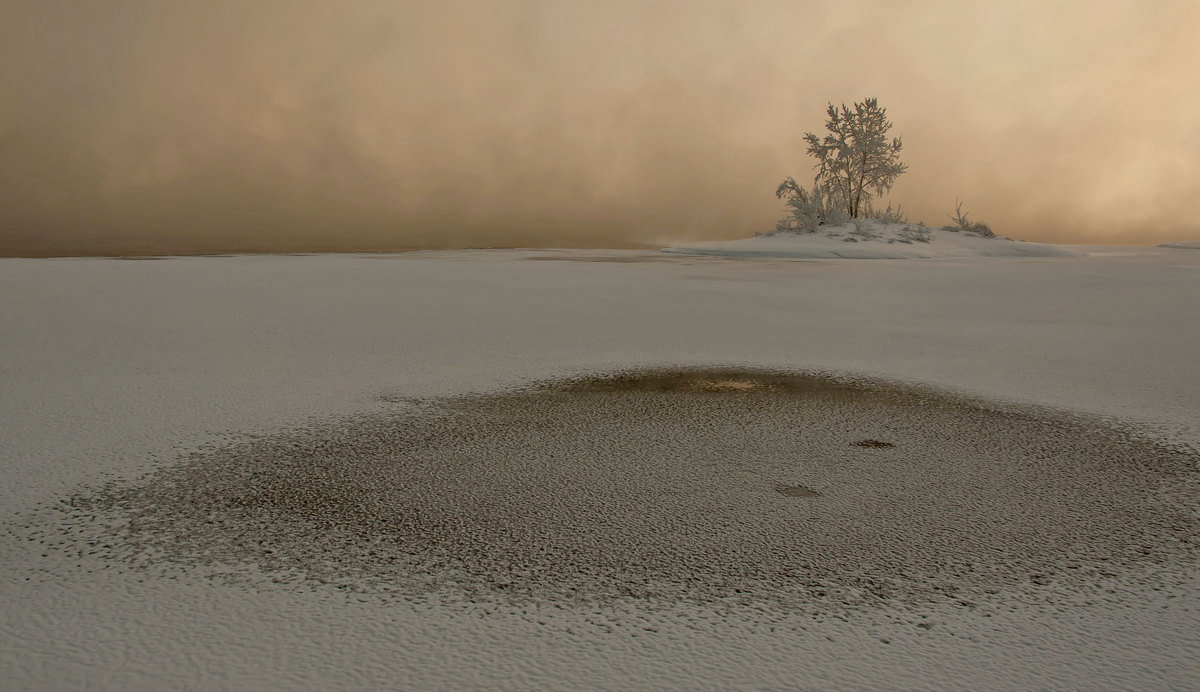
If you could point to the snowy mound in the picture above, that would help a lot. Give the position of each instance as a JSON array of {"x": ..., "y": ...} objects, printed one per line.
[
  {"x": 873, "y": 239},
  {"x": 1184, "y": 245}
]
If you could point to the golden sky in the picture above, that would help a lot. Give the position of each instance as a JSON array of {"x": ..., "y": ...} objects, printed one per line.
[{"x": 155, "y": 126}]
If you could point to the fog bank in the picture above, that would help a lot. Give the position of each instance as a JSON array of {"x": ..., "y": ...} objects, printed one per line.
[{"x": 140, "y": 126}]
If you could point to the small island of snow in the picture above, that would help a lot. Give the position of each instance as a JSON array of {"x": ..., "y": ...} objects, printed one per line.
[
  {"x": 1183, "y": 245},
  {"x": 874, "y": 239}
]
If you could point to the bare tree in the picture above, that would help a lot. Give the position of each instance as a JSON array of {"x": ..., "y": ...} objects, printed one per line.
[{"x": 855, "y": 158}]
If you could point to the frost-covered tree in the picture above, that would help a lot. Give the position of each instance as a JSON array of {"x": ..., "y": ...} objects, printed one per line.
[
  {"x": 809, "y": 208},
  {"x": 855, "y": 159}
]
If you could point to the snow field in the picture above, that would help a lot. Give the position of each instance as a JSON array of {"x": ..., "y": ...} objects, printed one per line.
[{"x": 114, "y": 368}]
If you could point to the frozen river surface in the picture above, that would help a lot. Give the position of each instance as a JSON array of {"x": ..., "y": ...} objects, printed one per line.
[{"x": 282, "y": 436}]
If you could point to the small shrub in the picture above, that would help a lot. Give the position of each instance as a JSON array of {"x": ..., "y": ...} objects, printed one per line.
[
  {"x": 918, "y": 234},
  {"x": 863, "y": 231},
  {"x": 962, "y": 223},
  {"x": 809, "y": 208},
  {"x": 887, "y": 215}
]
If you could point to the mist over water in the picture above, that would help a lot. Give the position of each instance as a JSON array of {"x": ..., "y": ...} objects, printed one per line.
[{"x": 141, "y": 126}]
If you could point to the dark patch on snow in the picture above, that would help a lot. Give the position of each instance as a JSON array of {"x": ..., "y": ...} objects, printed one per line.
[
  {"x": 649, "y": 485},
  {"x": 874, "y": 444},
  {"x": 796, "y": 491}
]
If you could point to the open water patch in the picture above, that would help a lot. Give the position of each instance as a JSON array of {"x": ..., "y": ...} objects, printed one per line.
[{"x": 669, "y": 486}]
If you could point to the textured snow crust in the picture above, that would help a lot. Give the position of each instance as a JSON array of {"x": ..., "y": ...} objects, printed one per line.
[
  {"x": 670, "y": 487},
  {"x": 138, "y": 372}
]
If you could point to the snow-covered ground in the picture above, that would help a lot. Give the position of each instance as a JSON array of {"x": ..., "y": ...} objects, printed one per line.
[
  {"x": 873, "y": 239},
  {"x": 113, "y": 368}
]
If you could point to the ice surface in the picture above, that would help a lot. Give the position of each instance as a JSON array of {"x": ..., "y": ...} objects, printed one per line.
[{"x": 113, "y": 368}]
